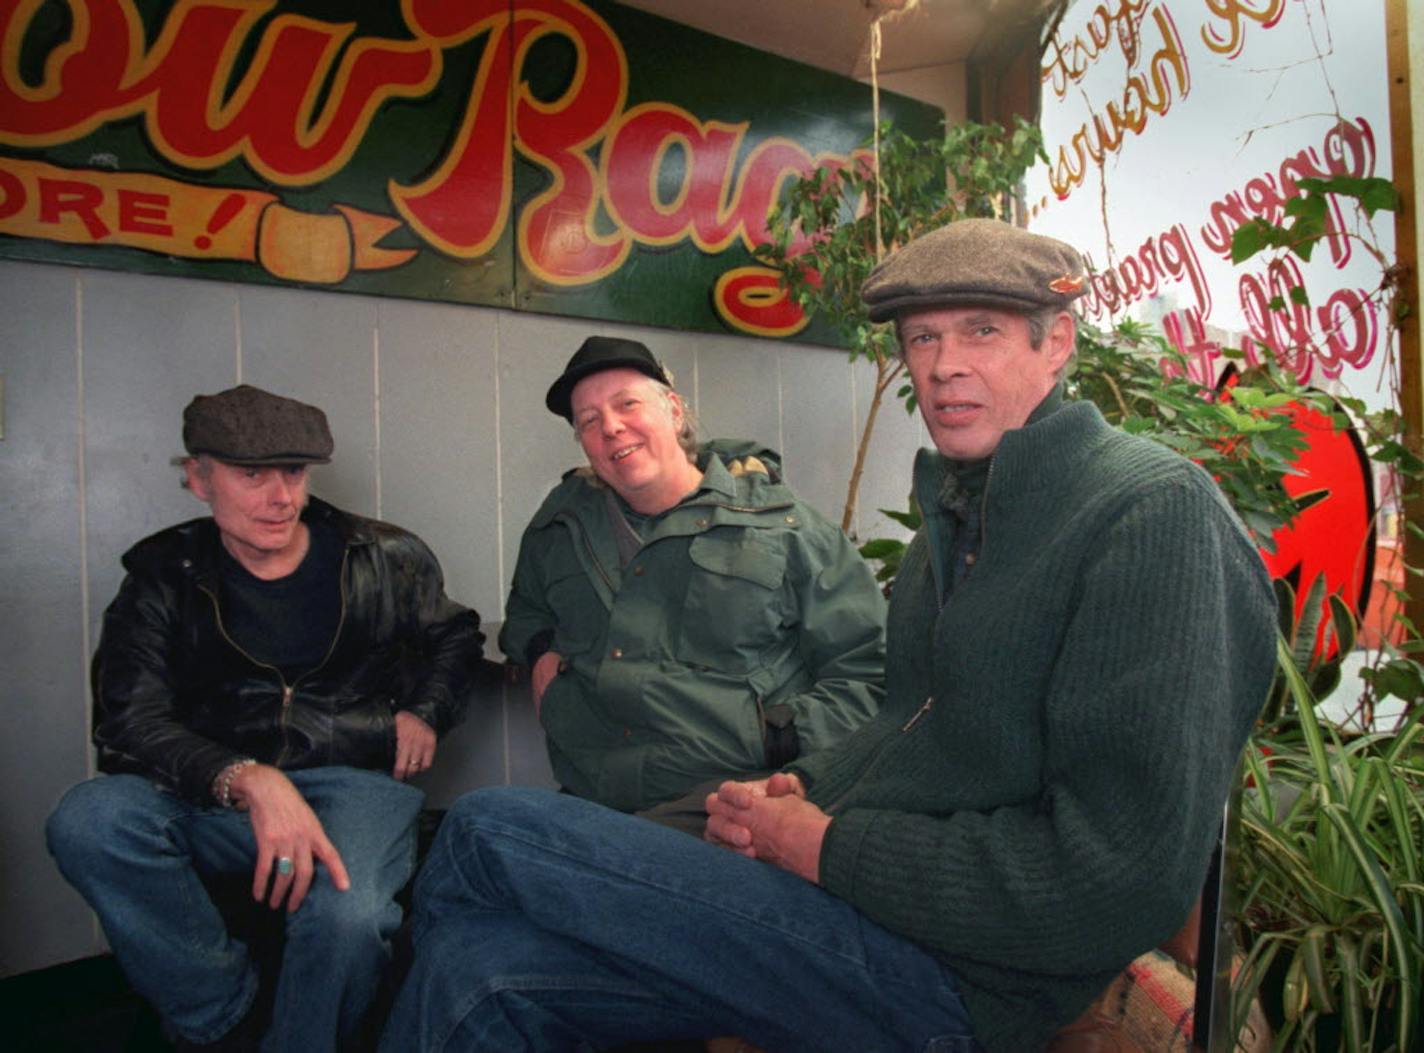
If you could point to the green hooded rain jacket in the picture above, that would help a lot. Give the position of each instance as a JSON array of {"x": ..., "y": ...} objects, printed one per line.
[{"x": 743, "y": 608}]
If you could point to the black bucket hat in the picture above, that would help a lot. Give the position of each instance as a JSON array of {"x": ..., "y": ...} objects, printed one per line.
[{"x": 596, "y": 354}]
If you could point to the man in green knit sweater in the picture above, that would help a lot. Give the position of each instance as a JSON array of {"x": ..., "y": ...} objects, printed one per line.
[{"x": 1079, "y": 640}]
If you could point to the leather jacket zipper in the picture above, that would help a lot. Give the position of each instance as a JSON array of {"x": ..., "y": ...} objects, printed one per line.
[
  {"x": 330, "y": 650},
  {"x": 288, "y": 690}
]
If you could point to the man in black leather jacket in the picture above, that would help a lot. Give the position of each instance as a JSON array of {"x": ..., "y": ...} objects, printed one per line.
[{"x": 267, "y": 680}]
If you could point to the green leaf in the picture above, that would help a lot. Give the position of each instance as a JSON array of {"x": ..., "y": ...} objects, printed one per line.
[
  {"x": 1248, "y": 239},
  {"x": 1247, "y": 983},
  {"x": 1398, "y": 678},
  {"x": 1312, "y": 953},
  {"x": 1295, "y": 994},
  {"x": 880, "y": 548},
  {"x": 1407, "y": 964},
  {"x": 1309, "y": 725},
  {"x": 1304, "y": 244},
  {"x": 1350, "y": 985},
  {"x": 909, "y": 520},
  {"x": 1342, "y": 623},
  {"x": 1379, "y": 194},
  {"x": 1309, "y": 207}
]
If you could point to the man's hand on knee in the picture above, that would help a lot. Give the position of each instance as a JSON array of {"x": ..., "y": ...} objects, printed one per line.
[
  {"x": 415, "y": 746},
  {"x": 290, "y": 838},
  {"x": 751, "y": 819}
]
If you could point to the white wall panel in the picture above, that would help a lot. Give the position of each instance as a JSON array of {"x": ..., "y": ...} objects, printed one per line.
[
  {"x": 818, "y": 421},
  {"x": 439, "y": 464},
  {"x": 44, "y": 749}
]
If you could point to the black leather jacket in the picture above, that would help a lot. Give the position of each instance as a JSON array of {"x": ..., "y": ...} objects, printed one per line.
[{"x": 176, "y": 700}]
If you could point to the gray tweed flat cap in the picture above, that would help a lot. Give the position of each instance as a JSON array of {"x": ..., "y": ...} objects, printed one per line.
[
  {"x": 983, "y": 262},
  {"x": 246, "y": 425}
]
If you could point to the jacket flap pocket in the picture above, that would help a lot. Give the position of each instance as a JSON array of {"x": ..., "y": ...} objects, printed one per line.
[{"x": 739, "y": 557}]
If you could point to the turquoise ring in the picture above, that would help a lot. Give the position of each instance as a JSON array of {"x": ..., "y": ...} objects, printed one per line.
[{"x": 284, "y": 865}]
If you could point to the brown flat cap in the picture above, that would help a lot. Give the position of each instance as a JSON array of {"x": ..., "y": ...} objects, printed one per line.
[
  {"x": 246, "y": 425},
  {"x": 981, "y": 262}
]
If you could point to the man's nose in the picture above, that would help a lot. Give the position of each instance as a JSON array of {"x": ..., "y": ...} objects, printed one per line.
[
  {"x": 949, "y": 361},
  {"x": 279, "y": 490},
  {"x": 612, "y": 424}
]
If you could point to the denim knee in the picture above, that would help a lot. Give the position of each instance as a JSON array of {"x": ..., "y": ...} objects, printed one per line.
[
  {"x": 82, "y": 824},
  {"x": 469, "y": 805},
  {"x": 503, "y": 806},
  {"x": 458, "y": 825},
  {"x": 351, "y": 920}
]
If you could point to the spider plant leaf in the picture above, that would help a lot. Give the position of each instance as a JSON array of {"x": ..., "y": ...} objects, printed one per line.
[
  {"x": 1260, "y": 778},
  {"x": 1408, "y": 959},
  {"x": 1351, "y": 981},
  {"x": 1246, "y": 984},
  {"x": 1362, "y": 791},
  {"x": 1405, "y": 738},
  {"x": 1295, "y": 992},
  {"x": 1312, "y": 956},
  {"x": 1407, "y": 848}
]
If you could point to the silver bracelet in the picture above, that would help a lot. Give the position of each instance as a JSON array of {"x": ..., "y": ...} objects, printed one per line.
[{"x": 222, "y": 785}]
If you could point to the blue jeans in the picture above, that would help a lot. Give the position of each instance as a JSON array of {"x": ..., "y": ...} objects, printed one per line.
[
  {"x": 544, "y": 922},
  {"x": 135, "y": 852}
]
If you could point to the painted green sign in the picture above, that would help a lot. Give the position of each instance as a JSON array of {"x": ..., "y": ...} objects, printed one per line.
[{"x": 568, "y": 157}]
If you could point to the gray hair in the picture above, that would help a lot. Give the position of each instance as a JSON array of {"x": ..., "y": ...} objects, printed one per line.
[
  {"x": 202, "y": 464},
  {"x": 1039, "y": 322},
  {"x": 687, "y": 434}
]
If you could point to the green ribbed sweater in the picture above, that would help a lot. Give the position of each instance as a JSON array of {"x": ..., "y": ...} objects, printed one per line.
[{"x": 1049, "y": 816}]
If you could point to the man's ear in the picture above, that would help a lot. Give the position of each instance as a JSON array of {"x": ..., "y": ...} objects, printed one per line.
[
  {"x": 1059, "y": 342},
  {"x": 196, "y": 481}
]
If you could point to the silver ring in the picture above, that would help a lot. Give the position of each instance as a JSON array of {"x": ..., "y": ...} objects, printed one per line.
[{"x": 284, "y": 865}]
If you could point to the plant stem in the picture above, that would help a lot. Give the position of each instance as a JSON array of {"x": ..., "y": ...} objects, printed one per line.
[
  {"x": 886, "y": 370},
  {"x": 1117, "y": 394}
]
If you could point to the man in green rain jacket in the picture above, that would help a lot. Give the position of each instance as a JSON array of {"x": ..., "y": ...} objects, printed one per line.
[{"x": 685, "y": 618}]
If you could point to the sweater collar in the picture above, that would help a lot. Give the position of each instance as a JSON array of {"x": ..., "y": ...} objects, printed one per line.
[
  {"x": 958, "y": 485},
  {"x": 1043, "y": 454}
]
